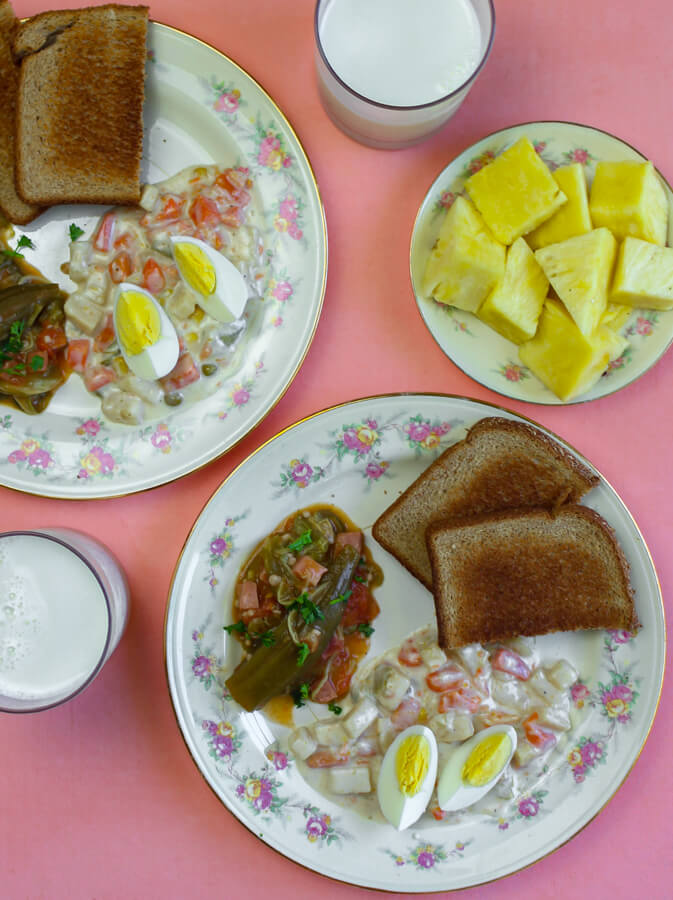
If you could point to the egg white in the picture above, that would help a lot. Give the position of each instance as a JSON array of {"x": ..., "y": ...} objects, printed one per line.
[
  {"x": 452, "y": 792},
  {"x": 399, "y": 810},
  {"x": 227, "y": 302},
  {"x": 158, "y": 359}
]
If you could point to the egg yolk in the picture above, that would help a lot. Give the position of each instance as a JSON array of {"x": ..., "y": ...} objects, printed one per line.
[
  {"x": 487, "y": 759},
  {"x": 138, "y": 322},
  {"x": 195, "y": 268},
  {"x": 411, "y": 764}
]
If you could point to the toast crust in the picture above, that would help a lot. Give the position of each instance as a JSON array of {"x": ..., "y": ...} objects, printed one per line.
[
  {"x": 11, "y": 205},
  {"x": 500, "y": 464},
  {"x": 79, "y": 105},
  {"x": 528, "y": 572}
]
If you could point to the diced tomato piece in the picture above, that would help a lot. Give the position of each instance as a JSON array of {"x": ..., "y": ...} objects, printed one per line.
[
  {"x": 153, "y": 277},
  {"x": 438, "y": 813},
  {"x": 506, "y": 660},
  {"x": 345, "y": 661},
  {"x": 348, "y": 538},
  {"x": 308, "y": 570},
  {"x": 171, "y": 207},
  {"x": 77, "y": 354},
  {"x": 406, "y": 714},
  {"x": 409, "y": 654},
  {"x": 124, "y": 241},
  {"x": 185, "y": 372},
  {"x": 51, "y": 338},
  {"x": 336, "y": 643},
  {"x": 460, "y": 698},
  {"x": 105, "y": 336},
  {"x": 325, "y": 692},
  {"x": 105, "y": 233},
  {"x": 445, "y": 677},
  {"x": 37, "y": 362},
  {"x": 540, "y": 738},
  {"x": 247, "y": 595},
  {"x": 121, "y": 267},
  {"x": 231, "y": 216},
  {"x": 97, "y": 377},
  {"x": 324, "y": 759},
  {"x": 204, "y": 211},
  {"x": 361, "y": 607}
]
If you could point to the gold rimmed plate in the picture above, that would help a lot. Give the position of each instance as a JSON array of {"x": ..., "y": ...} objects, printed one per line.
[
  {"x": 359, "y": 456},
  {"x": 468, "y": 342},
  {"x": 200, "y": 107}
]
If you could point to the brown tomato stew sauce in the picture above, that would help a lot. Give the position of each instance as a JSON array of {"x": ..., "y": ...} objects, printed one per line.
[{"x": 303, "y": 610}]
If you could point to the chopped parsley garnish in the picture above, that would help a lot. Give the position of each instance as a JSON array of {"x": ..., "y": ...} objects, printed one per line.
[
  {"x": 237, "y": 626},
  {"x": 75, "y": 232},
  {"x": 36, "y": 363},
  {"x": 13, "y": 343},
  {"x": 267, "y": 638},
  {"x": 365, "y": 629},
  {"x": 24, "y": 241},
  {"x": 303, "y": 653},
  {"x": 332, "y": 707},
  {"x": 360, "y": 579},
  {"x": 309, "y": 611},
  {"x": 341, "y": 597},
  {"x": 303, "y": 541},
  {"x": 300, "y": 695}
]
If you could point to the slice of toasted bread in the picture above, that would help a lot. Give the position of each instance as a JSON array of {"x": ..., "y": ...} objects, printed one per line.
[
  {"x": 527, "y": 572},
  {"x": 79, "y": 105},
  {"x": 501, "y": 464},
  {"x": 11, "y": 205}
]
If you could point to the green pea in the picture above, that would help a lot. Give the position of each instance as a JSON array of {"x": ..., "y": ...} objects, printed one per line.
[
  {"x": 173, "y": 399},
  {"x": 209, "y": 368}
]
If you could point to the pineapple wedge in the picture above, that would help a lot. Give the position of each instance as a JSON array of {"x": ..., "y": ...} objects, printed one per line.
[
  {"x": 514, "y": 306},
  {"x": 573, "y": 217},
  {"x": 565, "y": 360},
  {"x": 515, "y": 193},
  {"x": 579, "y": 270},
  {"x": 616, "y": 316},
  {"x": 628, "y": 198},
  {"x": 466, "y": 262},
  {"x": 643, "y": 275}
]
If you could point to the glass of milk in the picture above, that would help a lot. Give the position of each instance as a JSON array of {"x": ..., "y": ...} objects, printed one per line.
[
  {"x": 392, "y": 72},
  {"x": 64, "y": 603}
]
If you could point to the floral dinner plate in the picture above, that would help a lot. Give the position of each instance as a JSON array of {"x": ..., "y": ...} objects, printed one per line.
[
  {"x": 474, "y": 347},
  {"x": 200, "y": 107},
  {"x": 359, "y": 457}
]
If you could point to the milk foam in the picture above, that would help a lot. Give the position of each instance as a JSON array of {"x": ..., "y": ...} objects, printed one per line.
[
  {"x": 53, "y": 618},
  {"x": 402, "y": 52}
]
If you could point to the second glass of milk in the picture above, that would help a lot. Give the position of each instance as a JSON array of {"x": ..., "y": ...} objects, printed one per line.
[
  {"x": 64, "y": 603},
  {"x": 392, "y": 72}
]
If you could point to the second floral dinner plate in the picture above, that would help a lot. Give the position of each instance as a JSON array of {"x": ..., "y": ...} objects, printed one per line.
[
  {"x": 474, "y": 347},
  {"x": 359, "y": 457},
  {"x": 200, "y": 107}
]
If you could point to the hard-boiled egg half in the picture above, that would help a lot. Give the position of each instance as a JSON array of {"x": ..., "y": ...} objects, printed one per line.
[
  {"x": 147, "y": 338},
  {"x": 407, "y": 776},
  {"x": 221, "y": 288},
  {"x": 475, "y": 766}
]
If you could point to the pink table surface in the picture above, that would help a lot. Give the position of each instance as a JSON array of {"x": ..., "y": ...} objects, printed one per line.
[{"x": 100, "y": 798}]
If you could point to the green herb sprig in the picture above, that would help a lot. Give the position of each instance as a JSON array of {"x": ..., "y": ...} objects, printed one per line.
[
  {"x": 300, "y": 695},
  {"x": 303, "y": 653},
  {"x": 302, "y": 541},
  {"x": 307, "y": 608}
]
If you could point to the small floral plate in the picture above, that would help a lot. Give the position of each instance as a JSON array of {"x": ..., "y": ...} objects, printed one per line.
[
  {"x": 474, "y": 347},
  {"x": 200, "y": 107},
  {"x": 359, "y": 457}
]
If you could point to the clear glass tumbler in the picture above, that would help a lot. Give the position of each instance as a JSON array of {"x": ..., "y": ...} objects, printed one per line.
[
  {"x": 64, "y": 604},
  {"x": 384, "y": 125}
]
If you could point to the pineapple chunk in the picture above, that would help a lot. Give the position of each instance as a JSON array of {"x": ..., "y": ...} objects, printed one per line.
[
  {"x": 573, "y": 217},
  {"x": 515, "y": 193},
  {"x": 628, "y": 198},
  {"x": 564, "y": 359},
  {"x": 643, "y": 275},
  {"x": 466, "y": 262},
  {"x": 514, "y": 306},
  {"x": 579, "y": 269},
  {"x": 616, "y": 316}
]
